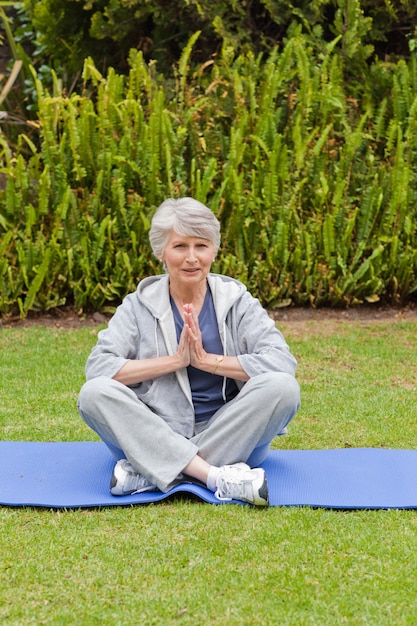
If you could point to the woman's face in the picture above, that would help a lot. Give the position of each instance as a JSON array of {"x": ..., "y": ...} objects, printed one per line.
[{"x": 187, "y": 259}]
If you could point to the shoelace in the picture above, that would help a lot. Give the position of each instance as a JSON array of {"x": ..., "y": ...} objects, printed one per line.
[
  {"x": 230, "y": 485},
  {"x": 135, "y": 481},
  {"x": 140, "y": 483}
]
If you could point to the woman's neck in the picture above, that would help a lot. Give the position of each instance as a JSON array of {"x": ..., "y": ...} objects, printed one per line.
[{"x": 194, "y": 296}]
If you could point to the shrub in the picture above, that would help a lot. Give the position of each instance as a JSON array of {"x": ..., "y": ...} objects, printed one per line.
[
  {"x": 62, "y": 33},
  {"x": 315, "y": 187}
]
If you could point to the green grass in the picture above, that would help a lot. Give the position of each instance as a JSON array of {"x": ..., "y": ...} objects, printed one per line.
[{"x": 184, "y": 562}]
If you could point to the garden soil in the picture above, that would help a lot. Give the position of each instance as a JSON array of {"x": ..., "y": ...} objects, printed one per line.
[{"x": 298, "y": 321}]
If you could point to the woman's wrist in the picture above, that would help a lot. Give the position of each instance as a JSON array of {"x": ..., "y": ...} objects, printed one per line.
[{"x": 218, "y": 359}]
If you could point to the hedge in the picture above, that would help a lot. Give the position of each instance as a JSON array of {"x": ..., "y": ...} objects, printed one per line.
[{"x": 314, "y": 184}]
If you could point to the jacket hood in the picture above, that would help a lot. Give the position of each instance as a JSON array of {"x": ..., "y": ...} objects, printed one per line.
[{"x": 153, "y": 292}]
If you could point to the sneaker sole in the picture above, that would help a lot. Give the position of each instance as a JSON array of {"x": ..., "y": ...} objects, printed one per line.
[{"x": 262, "y": 498}]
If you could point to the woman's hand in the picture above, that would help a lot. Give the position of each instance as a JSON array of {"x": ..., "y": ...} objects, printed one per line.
[
  {"x": 191, "y": 351},
  {"x": 198, "y": 356},
  {"x": 183, "y": 352}
]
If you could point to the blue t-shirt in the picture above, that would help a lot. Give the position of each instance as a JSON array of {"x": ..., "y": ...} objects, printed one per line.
[{"x": 206, "y": 388}]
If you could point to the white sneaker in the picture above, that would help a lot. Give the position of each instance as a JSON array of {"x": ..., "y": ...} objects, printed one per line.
[
  {"x": 240, "y": 466},
  {"x": 239, "y": 482},
  {"x": 125, "y": 480}
]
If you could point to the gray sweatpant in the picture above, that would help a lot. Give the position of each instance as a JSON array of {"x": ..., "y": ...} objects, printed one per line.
[{"x": 241, "y": 430}]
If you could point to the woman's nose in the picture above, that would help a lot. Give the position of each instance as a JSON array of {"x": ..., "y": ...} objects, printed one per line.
[{"x": 191, "y": 257}]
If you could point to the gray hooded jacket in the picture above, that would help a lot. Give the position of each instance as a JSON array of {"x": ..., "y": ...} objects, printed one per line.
[{"x": 143, "y": 327}]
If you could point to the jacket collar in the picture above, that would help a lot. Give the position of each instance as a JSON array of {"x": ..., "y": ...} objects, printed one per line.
[{"x": 153, "y": 292}]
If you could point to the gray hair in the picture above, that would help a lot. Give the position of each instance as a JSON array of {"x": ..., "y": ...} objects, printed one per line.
[{"x": 186, "y": 217}]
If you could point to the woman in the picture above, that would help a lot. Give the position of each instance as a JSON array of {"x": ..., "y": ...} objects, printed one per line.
[{"x": 191, "y": 379}]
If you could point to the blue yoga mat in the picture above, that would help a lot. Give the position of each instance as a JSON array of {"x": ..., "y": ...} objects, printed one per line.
[{"x": 77, "y": 475}]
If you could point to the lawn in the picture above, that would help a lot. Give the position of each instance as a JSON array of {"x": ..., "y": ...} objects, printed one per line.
[{"x": 184, "y": 562}]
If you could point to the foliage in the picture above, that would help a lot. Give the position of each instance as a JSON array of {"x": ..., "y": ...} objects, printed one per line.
[
  {"x": 62, "y": 33},
  {"x": 315, "y": 186}
]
